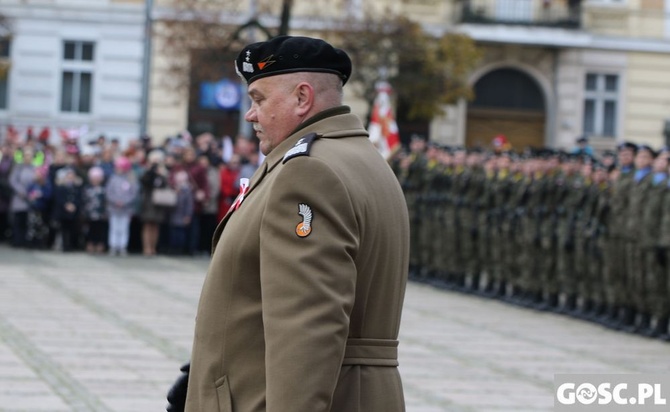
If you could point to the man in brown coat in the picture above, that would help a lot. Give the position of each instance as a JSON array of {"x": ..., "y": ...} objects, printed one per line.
[{"x": 300, "y": 309}]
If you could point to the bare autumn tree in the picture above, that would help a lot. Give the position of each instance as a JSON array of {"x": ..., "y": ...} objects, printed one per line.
[
  {"x": 198, "y": 37},
  {"x": 199, "y": 41},
  {"x": 5, "y": 37},
  {"x": 425, "y": 72}
]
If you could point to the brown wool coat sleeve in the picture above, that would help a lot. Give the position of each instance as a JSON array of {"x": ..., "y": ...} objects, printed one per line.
[{"x": 307, "y": 286}]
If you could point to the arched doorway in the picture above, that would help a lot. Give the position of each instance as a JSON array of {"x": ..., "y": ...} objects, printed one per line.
[{"x": 509, "y": 102}]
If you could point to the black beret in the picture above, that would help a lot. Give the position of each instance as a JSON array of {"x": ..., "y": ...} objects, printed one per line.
[
  {"x": 647, "y": 148},
  {"x": 627, "y": 145},
  {"x": 291, "y": 54},
  {"x": 599, "y": 166}
]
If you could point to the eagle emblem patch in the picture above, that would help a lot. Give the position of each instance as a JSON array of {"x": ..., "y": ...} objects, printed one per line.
[{"x": 304, "y": 228}]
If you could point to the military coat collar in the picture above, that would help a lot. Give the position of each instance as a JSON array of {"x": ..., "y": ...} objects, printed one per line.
[{"x": 334, "y": 123}]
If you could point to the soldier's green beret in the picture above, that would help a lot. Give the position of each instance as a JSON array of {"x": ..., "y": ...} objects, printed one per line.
[{"x": 291, "y": 54}]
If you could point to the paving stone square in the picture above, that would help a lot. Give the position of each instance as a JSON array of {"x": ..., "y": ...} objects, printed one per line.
[{"x": 90, "y": 333}]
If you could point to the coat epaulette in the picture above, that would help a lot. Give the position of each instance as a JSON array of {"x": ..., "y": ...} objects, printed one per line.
[{"x": 302, "y": 147}]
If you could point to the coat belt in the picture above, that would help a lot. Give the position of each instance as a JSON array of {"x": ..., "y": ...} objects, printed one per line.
[{"x": 371, "y": 352}]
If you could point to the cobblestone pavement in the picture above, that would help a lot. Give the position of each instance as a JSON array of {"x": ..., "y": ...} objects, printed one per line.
[{"x": 97, "y": 333}]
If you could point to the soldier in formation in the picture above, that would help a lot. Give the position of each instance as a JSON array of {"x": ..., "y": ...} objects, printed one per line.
[{"x": 566, "y": 232}]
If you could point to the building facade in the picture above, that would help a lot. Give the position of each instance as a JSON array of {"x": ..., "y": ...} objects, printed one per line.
[
  {"x": 556, "y": 70},
  {"x": 76, "y": 66},
  {"x": 553, "y": 70}
]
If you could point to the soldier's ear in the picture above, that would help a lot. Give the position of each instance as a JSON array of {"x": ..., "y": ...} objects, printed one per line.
[{"x": 304, "y": 92}]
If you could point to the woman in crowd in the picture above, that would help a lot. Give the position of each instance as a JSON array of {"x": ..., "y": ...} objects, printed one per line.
[
  {"x": 95, "y": 213},
  {"x": 20, "y": 179},
  {"x": 210, "y": 207},
  {"x": 121, "y": 190},
  {"x": 6, "y": 163},
  {"x": 67, "y": 207},
  {"x": 228, "y": 176},
  {"x": 155, "y": 177},
  {"x": 181, "y": 214},
  {"x": 39, "y": 199}
]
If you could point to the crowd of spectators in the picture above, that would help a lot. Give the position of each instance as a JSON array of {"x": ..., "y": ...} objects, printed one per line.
[{"x": 106, "y": 197}]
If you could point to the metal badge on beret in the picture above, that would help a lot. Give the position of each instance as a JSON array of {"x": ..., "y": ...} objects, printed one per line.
[{"x": 290, "y": 54}]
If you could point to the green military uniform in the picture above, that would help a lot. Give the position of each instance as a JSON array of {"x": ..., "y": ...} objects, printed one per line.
[
  {"x": 634, "y": 253},
  {"x": 410, "y": 180},
  {"x": 443, "y": 240},
  {"x": 590, "y": 250},
  {"x": 511, "y": 240},
  {"x": 548, "y": 243},
  {"x": 485, "y": 227},
  {"x": 571, "y": 196},
  {"x": 656, "y": 297},
  {"x": 600, "y": 268},
  {"x": 428, "y": 213},
  {"x": 615, "y": 248},
  {"x": 473, "y": 188},
  {"x": 502, "y": 190},
  {"x": 660, "y": 302},
  {"x": 530, "y": 281}
]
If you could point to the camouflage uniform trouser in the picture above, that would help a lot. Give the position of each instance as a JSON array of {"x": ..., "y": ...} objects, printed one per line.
[
  {"x": 484, "y": 245},
  {"x": 441, "y": 245},
  {"x": 510, "y": 244},
  {"x": 596, "y": 273},
  {"x": 426, "y": 234},
  {"x": 615, "y": 281},
  {"x": 452, "y": 238},
  {"x": 547, "y": 260},
  {"x": 657, "y": 300},
  {"x": 635, "y": 276},
  {"x": 565, "y": 265},
  {"x": 529, "y": 277},
  {"x": 468, "y": 241},
  {"x": 414, "y": 242},
  {"x": 581, "y": 265},
  {"x": 497, "y": 254}
]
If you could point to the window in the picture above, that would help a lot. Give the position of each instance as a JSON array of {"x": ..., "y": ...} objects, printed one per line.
[
  {"x": 77, "y": 77},
  {"x": 601, "y": 101},
  {"x": 514, "y": 10},
  {"x": 4, "y": 72}
]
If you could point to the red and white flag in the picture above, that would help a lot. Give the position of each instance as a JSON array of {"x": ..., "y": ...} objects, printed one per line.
[{"x": 383, "y": 128}]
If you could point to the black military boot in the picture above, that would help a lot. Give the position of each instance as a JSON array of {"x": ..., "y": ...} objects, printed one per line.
[
  {"x": 657, "y": 327},
  {"x": 471, "y": 283},
  {"x": 568, "y": 305},
  {"x": 597, "y": 309},
  {"x": 549, "y": 301},
  {"x": 534, "y": 299},
  {"x": 582, "y": 308},
  {"x": 625, "y": 318},
  {"x": 413, "y": 272},
  {"x": 500, "y": 290},
  {"x": 512, "y": 293},
  {"x": 640, "y": 323},
  {"x": 553, "y": 302},
  {"x": 608, "y": 316}
]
